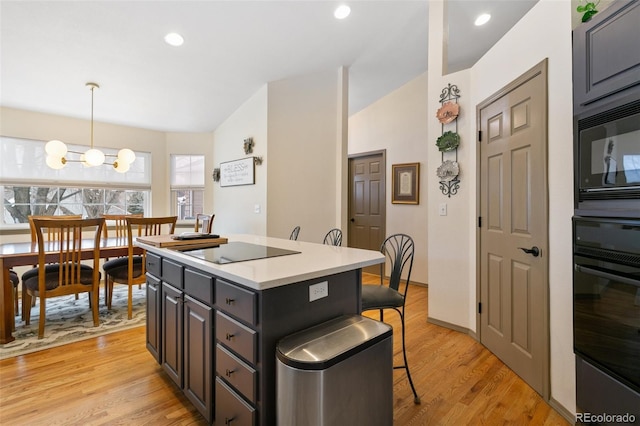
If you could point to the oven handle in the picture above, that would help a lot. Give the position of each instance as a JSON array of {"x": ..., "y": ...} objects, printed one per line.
[{"x": 607, "y": 275}]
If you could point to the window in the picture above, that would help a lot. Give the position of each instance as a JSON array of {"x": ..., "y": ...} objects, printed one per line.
[
  {"x": 187, "y": 185},
  {"x": 29, "y": 187}
]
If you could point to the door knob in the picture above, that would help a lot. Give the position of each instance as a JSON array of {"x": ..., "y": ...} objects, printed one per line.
[
  {"x": 353, "y": 219},
  {"x": 535, "y": 251}
]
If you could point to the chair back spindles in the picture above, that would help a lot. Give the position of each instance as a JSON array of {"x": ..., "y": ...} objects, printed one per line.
[
  {"x": 398, "y": 249},
  {"x": 294, "y": 233},
  {"x": 333, "y": 237},
  {"x": 204, "y": 223},
  {"x": 51, "y": 233},
  {"x": 119, "y": 222}
]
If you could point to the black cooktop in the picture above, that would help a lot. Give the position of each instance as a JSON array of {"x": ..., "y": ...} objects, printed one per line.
[{"x": 237, "y": 252}]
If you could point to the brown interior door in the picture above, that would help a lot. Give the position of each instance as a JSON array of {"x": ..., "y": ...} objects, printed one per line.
[
  {"x": 367, "y": 198},
  {"x": 514, "y": 321}
]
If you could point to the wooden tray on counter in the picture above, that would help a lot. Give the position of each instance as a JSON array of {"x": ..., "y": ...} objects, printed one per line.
[{"x": 167, "y": 241}]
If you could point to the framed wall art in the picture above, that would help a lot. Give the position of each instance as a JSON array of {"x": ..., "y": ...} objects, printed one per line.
[
  {"x": 238, "y": 172},
  {"x": 405, "y": 184}
]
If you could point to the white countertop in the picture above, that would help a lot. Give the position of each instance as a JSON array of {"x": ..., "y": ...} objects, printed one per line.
[{"x": 313, "y": 261}]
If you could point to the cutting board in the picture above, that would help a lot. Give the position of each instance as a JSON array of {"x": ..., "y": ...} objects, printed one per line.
[{"x": 167, "y": 241}]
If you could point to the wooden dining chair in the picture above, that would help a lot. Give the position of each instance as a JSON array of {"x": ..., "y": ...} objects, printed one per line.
[
  {"x": 119, "y": 225},
  {"x": 50, "y": 234},
  {"x": 119, "y": 222},
  {"x": 204, "y": 223},
  {"x": 333, "y": 237},
  {"x": 67, "y": 275},
  {"x": 130, "y": 270}
]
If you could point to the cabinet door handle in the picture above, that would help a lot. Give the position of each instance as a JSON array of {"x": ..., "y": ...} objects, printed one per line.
[
  {"x": 229, "y": 301},
  {"x": 228, "y": 372},
  {"x": 227, "y": 421},
  {"x": 229, "y": 336}
]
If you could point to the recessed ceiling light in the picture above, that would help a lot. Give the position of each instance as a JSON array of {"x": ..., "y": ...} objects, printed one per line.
[
  {"x": 174, "y": 39},
  {"x": 342, "y": 11},
  {"x": 482, "y": 19}
]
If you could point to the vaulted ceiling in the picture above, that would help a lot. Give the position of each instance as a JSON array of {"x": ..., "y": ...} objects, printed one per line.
[{"x": 50, "y": 49}]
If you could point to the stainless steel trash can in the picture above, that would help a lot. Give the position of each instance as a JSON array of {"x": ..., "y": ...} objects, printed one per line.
[{"x": 336, "y": 373}]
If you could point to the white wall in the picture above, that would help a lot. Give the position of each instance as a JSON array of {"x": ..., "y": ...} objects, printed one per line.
[
  {"x": 398, "y": 123},
  {"x": 305, "y": 115},
  {"x": 234, "y": 206}
]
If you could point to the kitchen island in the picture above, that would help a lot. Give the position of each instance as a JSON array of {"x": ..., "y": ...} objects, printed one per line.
[{"x": 214, "y": 317}]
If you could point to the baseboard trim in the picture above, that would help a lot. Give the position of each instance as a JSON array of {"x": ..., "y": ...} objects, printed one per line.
[
  {"x": 561, "y": 409},
  {"x": 445, "y": 324}
]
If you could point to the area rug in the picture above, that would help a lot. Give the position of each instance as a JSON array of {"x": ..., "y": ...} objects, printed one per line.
[{"x": 70, "y": 320}]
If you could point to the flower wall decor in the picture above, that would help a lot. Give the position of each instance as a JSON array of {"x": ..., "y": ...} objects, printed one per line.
[
  {"x": 448, "y": 112},
  {"x": 449, "y": 141}
]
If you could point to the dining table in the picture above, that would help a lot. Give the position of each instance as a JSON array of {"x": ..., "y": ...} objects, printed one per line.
[{"x": 26, "y": 254}]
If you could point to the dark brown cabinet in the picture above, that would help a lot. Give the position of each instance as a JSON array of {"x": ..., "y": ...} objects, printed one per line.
[
  {"x": 198, "y": 355},
  {"x": 606, "y": 56},
  {"x": 154, "y": 288},
  {"x": 171, "y": 323},
  {"x": 187, "y": 347}
]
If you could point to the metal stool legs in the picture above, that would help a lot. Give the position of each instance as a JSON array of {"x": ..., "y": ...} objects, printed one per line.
[{"x": 416, "y": 398}]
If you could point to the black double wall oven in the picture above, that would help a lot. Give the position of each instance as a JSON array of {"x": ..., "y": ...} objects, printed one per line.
[
  {"x": 606, "y": 314},
  {"x": 606, "y": 224},
  {"x": 606, "y": 262}
]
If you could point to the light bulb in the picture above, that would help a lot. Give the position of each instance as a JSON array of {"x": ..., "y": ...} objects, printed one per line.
[
  {"x": 126, "y": 155},
  {"x": 121, "y": 166},
  {"x": 94, "y": 157},
  {"x": 482, "y": 19},
  {"x": 342, "y": 11},
  {"x": 56, "y": 148},
  {"x": 55, "y": 162},
  {"x": 174, "y": 39}
]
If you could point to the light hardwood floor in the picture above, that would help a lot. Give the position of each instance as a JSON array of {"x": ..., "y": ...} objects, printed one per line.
[{"x": 112, "y": 379}]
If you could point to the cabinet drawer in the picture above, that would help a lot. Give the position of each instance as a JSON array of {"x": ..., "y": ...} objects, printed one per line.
[
  {"x": 199, "y": 286},
  {"x": 172, "y": 273},
  {"x": 237, "y": 301},
  {"x": 153, "y": 264},
  {"x": 240, "y": 375},
  {"x": 239, "y": 338},
  {"x": 231, "y": 409}
]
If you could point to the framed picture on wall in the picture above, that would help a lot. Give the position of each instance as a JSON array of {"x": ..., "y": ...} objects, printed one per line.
[
  {"x": 405, "y": 184},
  {"x": 237, "y": 172}
]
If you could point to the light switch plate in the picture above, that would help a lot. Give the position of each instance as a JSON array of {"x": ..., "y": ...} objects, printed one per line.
[{"x": 442, "y": 209}]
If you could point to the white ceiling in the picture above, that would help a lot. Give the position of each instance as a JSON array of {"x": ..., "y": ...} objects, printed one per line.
[{"x": 50, "y": 49}]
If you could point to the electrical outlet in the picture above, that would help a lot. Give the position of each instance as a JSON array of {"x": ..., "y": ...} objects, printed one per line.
[{"x": 318, "y": 291}]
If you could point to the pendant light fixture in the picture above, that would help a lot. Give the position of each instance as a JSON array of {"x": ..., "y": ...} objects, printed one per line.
[{"x": 57, "y": 151}]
